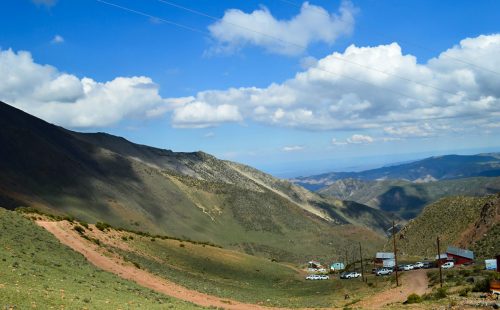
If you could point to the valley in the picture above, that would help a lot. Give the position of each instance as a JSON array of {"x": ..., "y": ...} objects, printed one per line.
[{"x": 188, "y": 230}]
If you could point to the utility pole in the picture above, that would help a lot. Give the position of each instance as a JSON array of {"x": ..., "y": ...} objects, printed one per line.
[
  {"x": 346, "y": 260},
  {"x": 361, "y": 256},
  {"x": 395, "y": 252},
  {"x": 439, "y": 264}
]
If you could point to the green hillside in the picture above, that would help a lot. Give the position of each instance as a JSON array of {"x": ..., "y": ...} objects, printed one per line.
[
  {"x": 99, "y": 177},
  {"x": 36, "y": 271},
  {"x": 467, "y": 222},
  {"x": 406, "y": 198},
  {"x": 219, "y": 272}
]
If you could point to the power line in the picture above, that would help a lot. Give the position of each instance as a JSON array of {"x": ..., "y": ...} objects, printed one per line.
[
  {"x": 208, "y": 34},
  {"x": 200, "y": 13},
  {"x": 295, "y": 4},
  {"x": 154, "y": 17}
]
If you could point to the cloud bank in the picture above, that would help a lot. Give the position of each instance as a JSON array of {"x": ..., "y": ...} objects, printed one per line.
[
  {"x": 375, "y": 88},
  {"x": 328, "y": 95}
]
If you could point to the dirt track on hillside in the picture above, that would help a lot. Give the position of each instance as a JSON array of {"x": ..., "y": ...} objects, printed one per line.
[
  {"x": 116, "y": 265},
  {"x": 414, "y": 281}
]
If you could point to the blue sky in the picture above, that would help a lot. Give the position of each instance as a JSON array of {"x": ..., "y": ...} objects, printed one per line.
[{"x": 267, "y": 83}]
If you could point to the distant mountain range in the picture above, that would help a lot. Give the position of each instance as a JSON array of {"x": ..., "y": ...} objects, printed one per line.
[
  {"x": 100, "y": 177},
  {"x": 407, "y": 198},
  {"x": 430, "y": 169},
  {"x": 405, "y": 189}
]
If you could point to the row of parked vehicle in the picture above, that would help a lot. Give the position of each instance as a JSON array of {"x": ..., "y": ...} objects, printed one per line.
[{"x": 407, "y": 267}]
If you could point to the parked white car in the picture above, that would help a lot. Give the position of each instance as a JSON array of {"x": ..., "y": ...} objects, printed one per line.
[
  {"x": 383, "y": 272},
  {"x": 350, "y": 275},
  {"x": 419, "y": 265},
  {"x": 407, "y": 267},
  {"x": 448, "y": 265},
  {"x": 317, "y": 277}
]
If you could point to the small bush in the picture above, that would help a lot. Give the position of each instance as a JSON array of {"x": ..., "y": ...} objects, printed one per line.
[
  {"x": 465, "y": 272},
  {"x": 124, "y": 238},
  {"x": 102, "y": 226},
  {"x": 464, "y": 292},
  {"x": 440, "y": 293},
  {"x": 79, "y": 229},
  {"x": 182, "y": 245},
  {"x": 153, "y": 239},
  {"x": 68, "y": 218},
  {"x": 482, "y": 286},
  {"x": 136, "y": 265},
  {"x": 413, "y": 299},
  {"x": 84, "y": 224}
]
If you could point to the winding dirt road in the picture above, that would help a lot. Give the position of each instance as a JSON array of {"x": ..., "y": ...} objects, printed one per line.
[
  {"x": 115, "y": 264},
  {"x": 414, "y": 281}
]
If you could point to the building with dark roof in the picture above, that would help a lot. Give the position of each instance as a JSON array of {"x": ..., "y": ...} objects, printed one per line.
[{"x": 460, "y": 256}]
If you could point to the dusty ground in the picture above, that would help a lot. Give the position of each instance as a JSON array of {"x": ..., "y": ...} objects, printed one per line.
[
  {"x": 115, "y": 264},
  {"x": 414, "y": 281}
]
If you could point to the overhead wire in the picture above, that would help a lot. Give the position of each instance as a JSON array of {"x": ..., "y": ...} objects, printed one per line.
[
  {"x": 154, "y": 17},
  {"x": 200, "y": 13},
  {"x": 216, "y": 18}
]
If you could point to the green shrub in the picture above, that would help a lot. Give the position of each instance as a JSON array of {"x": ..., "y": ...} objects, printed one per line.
[
  {"x": 124, "y": 238},
  {"x": 413, "y": 299},
  {"x": 464, "y": 292},
  {"x": 482, "y": 286},
  {"x": 79, "y": 229},
  {"x": 68, "y": 218},
  {"x": 102, "y": 226},
  {"x": 84, "y": 224},
  {"x": 440, "y": 293},
  {"x": 465, "y": 272}
]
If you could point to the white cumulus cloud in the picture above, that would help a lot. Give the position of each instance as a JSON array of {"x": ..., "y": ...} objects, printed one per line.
[
  {"x": 67, "y": 100},
  {"x": 200, "y": 115},
  {"x": 260, "y": 28},
  {"x": 442, "y": 93}
]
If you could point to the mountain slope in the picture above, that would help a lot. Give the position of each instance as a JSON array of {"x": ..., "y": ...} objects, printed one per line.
[
  {"x": 407, "y": 198},
  {"x": 99, "y": 177},
  {"x": 45, "y": 274},
  {"x": 468, "y": 222},
  {"x": 429, "y": 169}
]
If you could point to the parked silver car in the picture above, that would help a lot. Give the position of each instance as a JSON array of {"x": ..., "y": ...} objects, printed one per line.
[{"x": 384, "y": 272}]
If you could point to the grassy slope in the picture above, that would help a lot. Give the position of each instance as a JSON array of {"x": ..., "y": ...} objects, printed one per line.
[
  {"x": 406, "y": 198},
  {"x": 455, "y": 220},
  {"x": 36, "y": 270},
  {"x": 239, "y": 276},
  {"x": 98, "y": 177}
]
